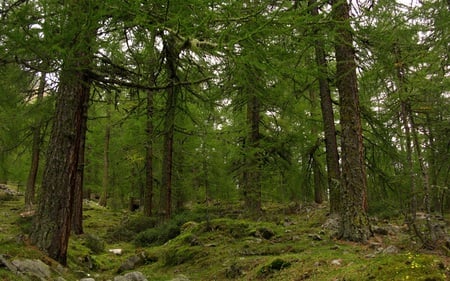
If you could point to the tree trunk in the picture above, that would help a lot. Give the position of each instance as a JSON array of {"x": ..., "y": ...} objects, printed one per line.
[
  {"x": 52, "y": 222},
  {"x": 171, "y": 55},
  {"x": 252, "y": 178},
  {"x": 77, "y": 215},
  {"x": 105, "y": 179},
  {"x": 35, "y": 151},
  {"x": 354, "y": 224},
  {"x": 317, "y": 174},
  {"x": 148, "y": 193},
  {"x": 332, "y": 155}
]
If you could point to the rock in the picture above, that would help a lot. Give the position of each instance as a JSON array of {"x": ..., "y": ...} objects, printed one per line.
[
  {"x": 87, "y": 279},
  {"x": 33, "y": 267},
  {"x": 380, "y": 230},
  {"x": 116, "y": 251},
  {"x": 315, "y": 237},
  {"x": 336, "y": 262},
  {"x": 7, "y": 264},
  {"x": 332, "y": 223},
  {"x": 132, "y": 262},
  {"x": 391, "y": 250},
  {"x": 132, "y": 276}
]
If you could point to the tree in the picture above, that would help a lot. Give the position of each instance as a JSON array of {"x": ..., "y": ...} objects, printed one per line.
[
  {"x": 35, "y": 150},
  {"x": 326, "y": 103},
  {"x": 52, "y": 222},
  {"x": 354, "y": 223}
]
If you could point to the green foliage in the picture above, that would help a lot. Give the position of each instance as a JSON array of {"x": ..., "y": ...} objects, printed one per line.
[
  {"x": 129, "y": 228},
  {"x": 94, "y": 243}
]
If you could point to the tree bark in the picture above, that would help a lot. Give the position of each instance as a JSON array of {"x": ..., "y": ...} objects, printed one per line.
[
  {"x": 326, "y": 104},
  {"x": 252, "y": 177},
  {"x": 105, "y": 179},
  {"x": 354, "y": 223},
  {"x": 77, "y": 215},
  {"x": 171, "y": 55},
  {"x": 52, "y": 222},
  {"x": 148, "y": 193},
  {"x": 35, "y": 151}
]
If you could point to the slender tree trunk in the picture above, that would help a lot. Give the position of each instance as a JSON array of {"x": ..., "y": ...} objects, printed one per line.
[
  {"x": 148, "y": 193},
  {"x": 317, "y": 174},
  {"x": 354, "y": 224},
  {"x": 105, "y": 179},
  {"x": 35, "y": 151},
  {"x": 331, "y": 146},
  {"x": 171, "y": 55}
]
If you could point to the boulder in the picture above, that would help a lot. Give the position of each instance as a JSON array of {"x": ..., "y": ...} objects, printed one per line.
[{"x": 33, "y": 267}]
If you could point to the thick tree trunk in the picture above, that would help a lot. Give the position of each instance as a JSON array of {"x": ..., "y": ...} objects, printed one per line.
[
  {"x": 353, "y": 214},
  {"x": 35, "y": 151},
  {"x": 52, "y": 222},
  {"x": 331, "y": 146},
  {"x": 77, "y": 215},
  {"x": 51, "y": 227}
]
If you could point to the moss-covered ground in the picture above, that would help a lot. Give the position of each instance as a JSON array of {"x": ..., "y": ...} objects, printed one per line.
[{"x": 218, "y": 243}]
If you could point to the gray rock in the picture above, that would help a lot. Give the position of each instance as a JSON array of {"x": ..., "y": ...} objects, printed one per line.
[
  {"x": 33, "y": 267},
  {"x": 132, "y": 262},
  {"x": 391, "y": 250},
  {"x": 87, "y": 279},
  {"x": 132, "y": 276}
]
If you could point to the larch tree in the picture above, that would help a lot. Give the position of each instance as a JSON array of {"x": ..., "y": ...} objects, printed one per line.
[
  {"x": 326, "y": 104},
  {"x": 354, "y": 222},
  {"x": 52, "y": 222}
]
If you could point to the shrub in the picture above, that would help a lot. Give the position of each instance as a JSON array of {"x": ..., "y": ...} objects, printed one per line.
[{"x": 94, "y": 243}]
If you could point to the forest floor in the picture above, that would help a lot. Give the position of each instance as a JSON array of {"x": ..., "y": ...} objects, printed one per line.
[{"x": 287, "y": 242}]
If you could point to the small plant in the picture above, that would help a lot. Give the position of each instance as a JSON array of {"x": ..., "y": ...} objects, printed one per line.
[{"x": 94, "y": 243}]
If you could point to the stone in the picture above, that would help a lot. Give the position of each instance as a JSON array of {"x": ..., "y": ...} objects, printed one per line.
[
  {"x": 87, "y": 279},
  {"x": 116, "y": 251},
  {"x": 391, "y": 249},
  {"x": 132, "y": 262},
  {"x": 336, "y": 262},
  {"x": 33, "y": 267},
  {"x": 131, "y": 276}
]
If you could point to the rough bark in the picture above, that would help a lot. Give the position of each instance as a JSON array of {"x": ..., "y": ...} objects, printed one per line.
[
  {"x": 148, "y": 193},
  {"x": 354, "y": 223},
  {"x": 51, "y": 227},
  {"x": 106, "y": 140},
  {"x": 77, "y": 215},
  {"x": 171, "y": 55},
  {"x": 252, "y": 176},
  {"x": 52, "y": 222},
  {"x": 329, "y": 128}
]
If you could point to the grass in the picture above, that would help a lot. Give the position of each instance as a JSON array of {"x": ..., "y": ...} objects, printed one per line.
[{"x": 280, "y": 245}]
